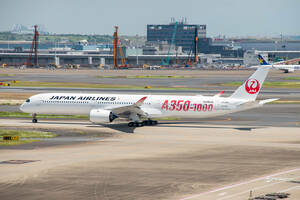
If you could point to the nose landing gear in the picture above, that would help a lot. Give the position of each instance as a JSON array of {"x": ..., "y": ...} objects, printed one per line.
[{"x": 34, "y": 119}]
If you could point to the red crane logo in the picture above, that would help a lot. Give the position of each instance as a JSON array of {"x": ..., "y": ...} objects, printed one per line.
[{"x": 252, "y": 86}]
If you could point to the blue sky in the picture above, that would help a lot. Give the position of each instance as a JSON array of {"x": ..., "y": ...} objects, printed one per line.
[{"x": 225, "y": 17}]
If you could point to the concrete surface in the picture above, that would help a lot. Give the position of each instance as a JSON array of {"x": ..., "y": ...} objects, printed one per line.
[{"x": 169, "y": 161}]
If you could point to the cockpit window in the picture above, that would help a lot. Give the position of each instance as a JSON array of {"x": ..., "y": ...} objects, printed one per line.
[{"x": 27, "y": 100}]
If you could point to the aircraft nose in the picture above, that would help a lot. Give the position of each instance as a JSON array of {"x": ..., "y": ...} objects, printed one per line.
[{"x": 22, "y": 107}]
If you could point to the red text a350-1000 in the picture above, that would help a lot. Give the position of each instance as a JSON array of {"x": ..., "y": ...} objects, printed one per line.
[{"x": 181, "y": 105}]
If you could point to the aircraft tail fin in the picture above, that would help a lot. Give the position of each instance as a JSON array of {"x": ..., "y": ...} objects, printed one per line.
[
  {"x": 262, "y": 61},
  {"x": 251, "y": 87}
]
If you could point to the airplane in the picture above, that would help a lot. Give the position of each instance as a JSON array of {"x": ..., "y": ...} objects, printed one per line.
[
  {"x": 140, "y": 110},
  {"x": 285, "y": 68}
]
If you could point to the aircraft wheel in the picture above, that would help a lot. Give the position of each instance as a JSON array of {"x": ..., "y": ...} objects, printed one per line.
[
  {"x": 34, "y": 120},
  {"x": 138, "y": 124},
  {"x": 150, "y": 122},
  {"x": 153, "y": 122}
]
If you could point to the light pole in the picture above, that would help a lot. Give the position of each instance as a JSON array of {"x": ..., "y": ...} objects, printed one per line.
[
  {"x": 7, "y": 42},
  {"x": 136, "y": 50}
]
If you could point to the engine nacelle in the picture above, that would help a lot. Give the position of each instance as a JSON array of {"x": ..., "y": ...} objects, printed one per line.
[
  {"x": 101, "y": 116},
  {"x": 289, "y": 70}
]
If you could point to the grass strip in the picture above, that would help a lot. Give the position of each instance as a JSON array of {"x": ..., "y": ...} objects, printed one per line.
[
  {"x": 6, "y": 75},
  {"x": 26, "y": 134},
  {"x": 292, "y": 78},
  {"x": 90, "y": 85},
  {"x": 147, "y": 76},
  {"x": 14, "y": 142},
  {"x": 27, "y": 115},
  {"x": 66, "y": 84}
]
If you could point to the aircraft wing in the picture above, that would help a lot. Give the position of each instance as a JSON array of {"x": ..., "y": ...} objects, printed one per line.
[
  {"x": 255, "y": 104},
  {"x": 134, "y": 109}
]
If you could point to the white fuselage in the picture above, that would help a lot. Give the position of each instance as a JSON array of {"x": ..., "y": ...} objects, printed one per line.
[
  {"x": 154, "y": 105},
  {"x": 287, "y": 68}
]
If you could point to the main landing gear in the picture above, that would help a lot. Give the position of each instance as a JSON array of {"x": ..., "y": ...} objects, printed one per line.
[
  {"x": 34, "y": 119},
  {"x": 143, "y": 123}
]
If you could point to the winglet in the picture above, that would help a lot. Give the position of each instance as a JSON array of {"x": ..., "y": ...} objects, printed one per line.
[
  {"x": 219, "y": 94},
  {"x": 140, "y": 102}
]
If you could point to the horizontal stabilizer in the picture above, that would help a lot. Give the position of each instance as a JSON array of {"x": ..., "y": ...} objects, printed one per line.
[{"x": 267, "y": 101}]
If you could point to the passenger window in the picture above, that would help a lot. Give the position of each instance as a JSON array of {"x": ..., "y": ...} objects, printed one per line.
[{"x": 27, "y": 100}]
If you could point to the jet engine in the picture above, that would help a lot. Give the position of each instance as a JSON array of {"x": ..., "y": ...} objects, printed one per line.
[
  {"x": 289, "y": 71},
  {"x": 101, "y": 116}
]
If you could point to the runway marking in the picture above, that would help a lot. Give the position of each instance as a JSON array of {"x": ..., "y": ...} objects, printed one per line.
[
  {"x": 239, "y": 184},
  {"x": 253, "y": 189},
  {"x": 278, "y": 179},
  {"x": 222, "y": 194}
]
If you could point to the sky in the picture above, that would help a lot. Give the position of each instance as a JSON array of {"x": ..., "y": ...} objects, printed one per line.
[{"x": 222, "y": 17}]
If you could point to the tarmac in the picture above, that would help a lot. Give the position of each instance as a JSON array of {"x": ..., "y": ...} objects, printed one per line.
[{"x": 169, "y": 161}]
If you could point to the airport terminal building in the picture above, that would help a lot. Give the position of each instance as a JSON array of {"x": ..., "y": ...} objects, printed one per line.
[{"x": 185, "y": 34}]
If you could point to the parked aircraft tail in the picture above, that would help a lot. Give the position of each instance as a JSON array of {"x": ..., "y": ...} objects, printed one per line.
[
  {"x": 251, "y": 87},
  {"x": 262, "y": 60}
]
